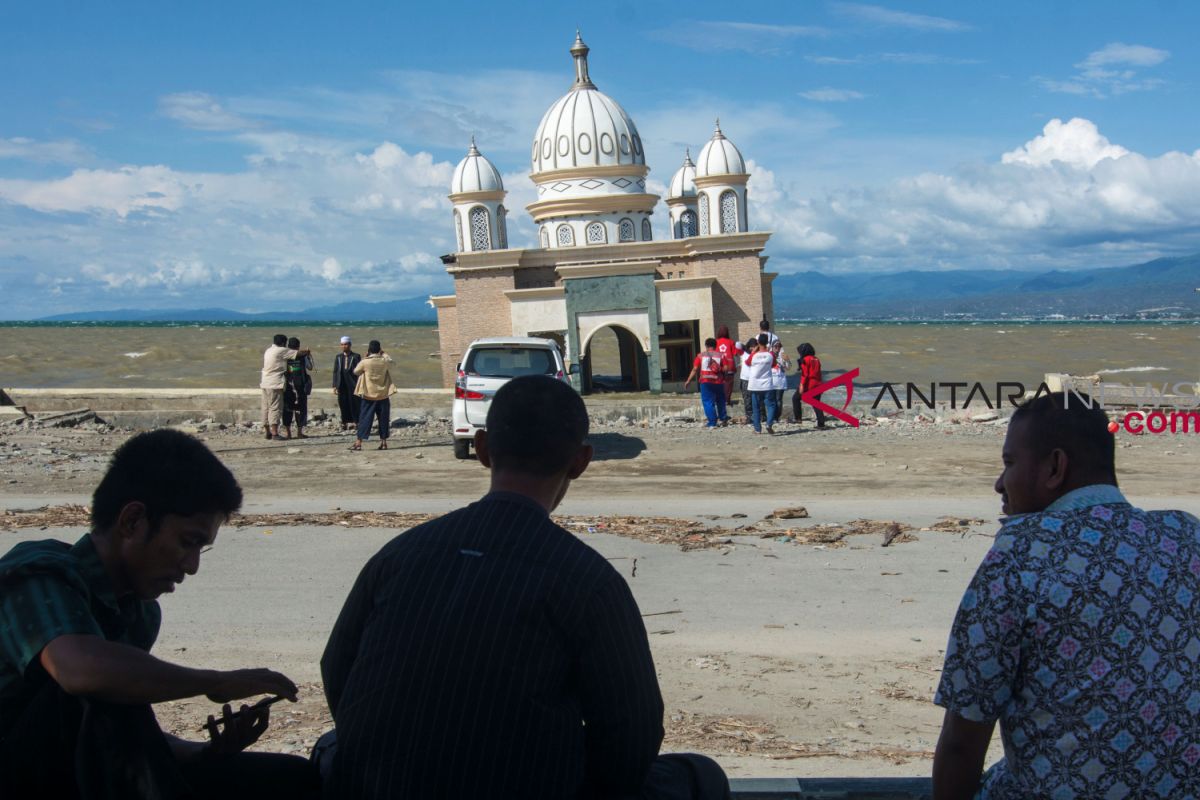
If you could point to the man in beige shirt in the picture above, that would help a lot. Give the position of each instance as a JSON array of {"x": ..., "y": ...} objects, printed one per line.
[{"x": 275, "y": 360}]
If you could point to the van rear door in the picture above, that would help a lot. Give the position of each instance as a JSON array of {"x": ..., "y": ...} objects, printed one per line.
[{"x": 489, "y": 367}]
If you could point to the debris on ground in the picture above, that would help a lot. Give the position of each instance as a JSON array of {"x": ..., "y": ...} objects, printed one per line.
[
  {"x": 795, "y": 512},
  {"x": 832, "y": 534},
  {"x": 955, "y": 524}
]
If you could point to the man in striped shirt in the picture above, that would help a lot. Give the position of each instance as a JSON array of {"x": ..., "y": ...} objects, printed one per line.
[{"x": 490, "y": 653}]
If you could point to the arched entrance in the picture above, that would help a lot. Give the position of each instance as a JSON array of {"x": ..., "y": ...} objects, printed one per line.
[{"x": 613, "y": 361}]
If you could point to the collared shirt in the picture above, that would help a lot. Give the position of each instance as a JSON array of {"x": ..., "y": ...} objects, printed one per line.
[
  {"x": 490, "y": 653},
  {"x": 375, "y": 377},
  {"x": 50, "y": 589},
  {"x": 1080, "y": 633},
  {"x": 275, "y": 360}
]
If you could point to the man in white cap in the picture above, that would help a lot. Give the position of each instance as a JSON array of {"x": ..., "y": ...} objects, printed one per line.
[{"x": 344, "y": 381}]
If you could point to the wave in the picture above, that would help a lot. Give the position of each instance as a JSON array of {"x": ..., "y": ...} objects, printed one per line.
[
  {"x": 136, "y": 355},
  {"x": 1132, "y": 369}
]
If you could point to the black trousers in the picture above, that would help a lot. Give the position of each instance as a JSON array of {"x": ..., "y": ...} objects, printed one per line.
[
  {"x": 797, "y": 409},
  {"x": 348, "y": 405},
  {"x": 66, "y": 747},
  {"x": 747, "y": 403},
  {"x": 295, "y": 405},
  {"x": 368, "y": 411}
]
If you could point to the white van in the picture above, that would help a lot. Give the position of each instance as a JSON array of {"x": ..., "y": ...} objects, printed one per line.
[{"x": 487, "y": 365}]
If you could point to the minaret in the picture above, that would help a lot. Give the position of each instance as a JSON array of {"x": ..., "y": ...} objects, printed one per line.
[
  {"x": 477, "y": 193},
  {"x": 681, "y": 200},
  {"x": 721, "y": 187}
]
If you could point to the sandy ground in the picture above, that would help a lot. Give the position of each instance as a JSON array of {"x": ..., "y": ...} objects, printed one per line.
[{"x": 776, "y": 655}]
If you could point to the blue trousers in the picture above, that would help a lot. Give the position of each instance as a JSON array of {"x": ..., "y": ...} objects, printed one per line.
[
  {"x": 368, "y": 411},
  {"x": 712, "y": 397},
  {"x": 764, "y": 409}
]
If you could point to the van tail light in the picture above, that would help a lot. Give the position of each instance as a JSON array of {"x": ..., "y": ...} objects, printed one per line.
[
  {"x": 460, "y": 388},
  {"x": 559, "y": 375}
]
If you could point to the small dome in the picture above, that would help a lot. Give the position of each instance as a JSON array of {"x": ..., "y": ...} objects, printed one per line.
[
  {"x": 683, "y": 182},
  {"x": 475, "y": 174},
  {"x": 719, "y": 157},
  {"x": 585, "y": 127}
]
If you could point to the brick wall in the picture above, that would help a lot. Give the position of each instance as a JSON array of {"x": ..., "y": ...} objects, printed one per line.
[
  {"x": 448, "y": 343},
  {"x": 482, "y": 309},
  {"x": 738, "y": 293}
]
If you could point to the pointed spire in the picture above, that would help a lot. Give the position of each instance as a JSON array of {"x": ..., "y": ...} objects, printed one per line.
[
  {"x": 579, "y": 51},
  {"x": 472, "y": 150},
  {"x": 687, "y": 157},
  {"x": 717, "y": 133}
]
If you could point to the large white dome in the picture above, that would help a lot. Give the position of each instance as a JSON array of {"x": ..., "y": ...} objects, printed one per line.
[
  {"x": 585, "y": 127},
  {"x": 683, "y": 182},
  {"x": 720, "y": 157},
  {"x": 475, "y": 174}
]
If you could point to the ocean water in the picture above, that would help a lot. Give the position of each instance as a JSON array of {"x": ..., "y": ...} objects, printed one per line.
[{"x": 230, "y": 355}]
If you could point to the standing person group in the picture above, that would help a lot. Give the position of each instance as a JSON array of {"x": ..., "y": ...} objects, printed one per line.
[
  {"x": 296, "y": 389},
  {"x": 761, "y": 366},
  {"x": 275, "y": 379}
]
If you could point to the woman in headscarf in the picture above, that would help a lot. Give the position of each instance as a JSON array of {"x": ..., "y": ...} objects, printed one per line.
[{"x": 810, "y": 376}]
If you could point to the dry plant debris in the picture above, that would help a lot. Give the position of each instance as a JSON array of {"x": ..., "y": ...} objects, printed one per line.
[
  {"x": 685, "y": 533},
  {"x": 955, "y": 524}
]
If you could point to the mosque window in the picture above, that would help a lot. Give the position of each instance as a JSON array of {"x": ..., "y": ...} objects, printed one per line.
[
  {"x": 481, "y": 238},
  {"x": 596, "y": 234},
  {"x": 502, "y": 227},
  {"x": 703, "y": 214},
  {"x": 566, "y": 236},
  {"x": 458, "y": 229},
  {"x": 544, "y": 236},
  {"x": 687, "y": 224},
  {"x": 729, "y": 220},
  {"x": 647, "y": 231},
  {"x": 625, "y": 231}
]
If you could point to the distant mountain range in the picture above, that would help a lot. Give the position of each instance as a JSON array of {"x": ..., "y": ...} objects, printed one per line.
[{"x": 1163, "y": 287}]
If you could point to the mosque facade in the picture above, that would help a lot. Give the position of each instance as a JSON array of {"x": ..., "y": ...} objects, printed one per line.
[{"x": 599, "y": 264}]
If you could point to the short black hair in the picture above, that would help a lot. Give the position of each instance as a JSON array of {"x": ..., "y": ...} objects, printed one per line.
[
  {"x": 763, "y": 338},
  {"x": 750, "y": 343},
  {"x": 169, "y": 472},
  {"x": 374, "y": 346},
  {"x": 293, "y": 343},
  {"x": 535, "y": 426},
  {"x": 1073, "y": 423},
  {"x": 764, "y": 326},
  {"x": 280, "y": 340},
  {"x": 710, "y": 342}
]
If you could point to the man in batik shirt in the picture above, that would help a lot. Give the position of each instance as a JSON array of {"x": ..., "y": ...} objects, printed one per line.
[{"x": 1080, "y": 632}]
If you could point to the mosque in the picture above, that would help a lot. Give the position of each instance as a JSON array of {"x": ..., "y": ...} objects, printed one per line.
[{"x": 599, "y": 265}]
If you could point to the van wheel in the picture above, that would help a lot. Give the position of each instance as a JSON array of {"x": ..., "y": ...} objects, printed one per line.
[{"x": 462, "y": 448}]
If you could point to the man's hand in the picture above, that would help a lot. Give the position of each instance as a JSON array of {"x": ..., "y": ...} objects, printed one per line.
[
  {"x": 239, "y": 683},
  {"x": 240, "y": 730}
]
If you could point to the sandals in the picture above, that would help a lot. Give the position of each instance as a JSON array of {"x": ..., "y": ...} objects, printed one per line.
[
  {"x": 382, "y": 445},
  {"x": 356, "y": 446}
]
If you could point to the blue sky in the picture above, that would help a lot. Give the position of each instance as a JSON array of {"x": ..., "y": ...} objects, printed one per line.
[{"x": 274, "y": 155}]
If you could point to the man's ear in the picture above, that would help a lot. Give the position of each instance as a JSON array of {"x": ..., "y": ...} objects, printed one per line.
[
  {"x": 580, "y": 462},
  {"x": 132, "y": 521},
  {"x": 1057, "y": 464},
  {"x": 481, "y": 449}
]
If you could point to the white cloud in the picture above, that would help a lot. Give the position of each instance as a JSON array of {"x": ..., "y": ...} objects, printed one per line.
[
  {"x": 913, "y": 58},
  {"x": 1077, "y": 143},
  {"x": 878, "y": 15},
  {"x": 749, "y": 37},
  {"x": 1110, "y": 71},
  {"x": 828, "y": 94},
  {"x": 201, "y": 111},
  {"x": 63, "y": 151}
]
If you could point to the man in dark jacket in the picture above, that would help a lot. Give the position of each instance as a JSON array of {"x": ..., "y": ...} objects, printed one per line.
[
  {"x": 490, "y": 653},
  {"x": 344, "y": 381}
]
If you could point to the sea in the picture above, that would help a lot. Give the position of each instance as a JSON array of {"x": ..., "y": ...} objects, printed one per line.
[{"x": 219, "y": 355}]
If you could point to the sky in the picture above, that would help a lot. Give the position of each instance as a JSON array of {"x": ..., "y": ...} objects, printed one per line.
[{"x": 284, "y": 155}]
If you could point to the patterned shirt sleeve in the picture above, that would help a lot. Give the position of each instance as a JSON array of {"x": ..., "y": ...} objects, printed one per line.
[
  {"x": 36, "y": 610},
  {"x": 983, "y": 655}
]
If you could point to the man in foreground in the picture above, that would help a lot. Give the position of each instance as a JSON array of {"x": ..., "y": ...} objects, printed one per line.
[
  {"x": 1078, "y": 631},
  {"x": 76, "y": 627},
  {"x": 490, "y": 653}
]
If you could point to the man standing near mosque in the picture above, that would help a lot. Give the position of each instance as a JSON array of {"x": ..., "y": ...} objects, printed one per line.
[
  {"x": 491, "y": 653},
  {"x": 344, "y": 381},
  {"x": 1077, "y": 633},
  {"x": 711, "y": 366},
  {"x": 274, "y": 378}
]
